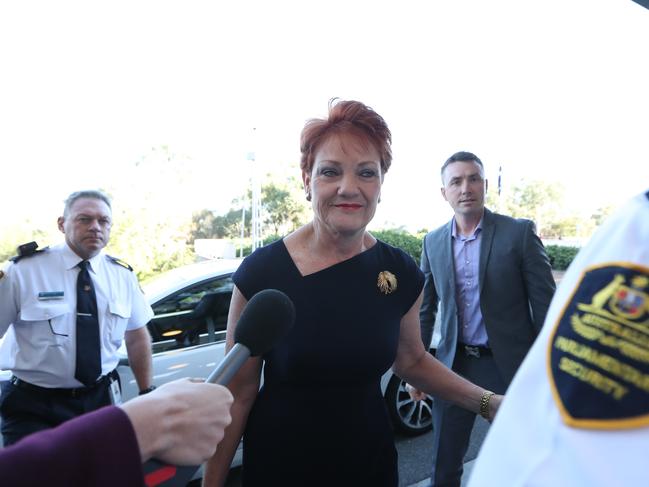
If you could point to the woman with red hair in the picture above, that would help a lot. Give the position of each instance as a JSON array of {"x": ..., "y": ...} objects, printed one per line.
[{"x": 320, "y": 417}]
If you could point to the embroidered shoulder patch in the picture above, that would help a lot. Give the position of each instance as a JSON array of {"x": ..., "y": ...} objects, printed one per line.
[{"x": 598, "y": 357}]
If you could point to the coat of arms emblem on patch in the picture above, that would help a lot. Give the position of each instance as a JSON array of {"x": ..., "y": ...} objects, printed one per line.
[{"x": 598, "y": 357}]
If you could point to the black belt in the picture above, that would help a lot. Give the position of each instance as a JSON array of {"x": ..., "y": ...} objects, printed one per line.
[
  {"x": 54, "y": 391},
  {"x": 476, "y": 351}
]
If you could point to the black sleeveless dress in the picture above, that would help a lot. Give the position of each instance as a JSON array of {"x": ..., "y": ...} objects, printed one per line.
[{"x": 320, "y": 418}]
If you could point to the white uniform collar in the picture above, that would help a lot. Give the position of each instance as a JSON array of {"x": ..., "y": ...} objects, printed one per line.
[{"x": 71, "y": 259}]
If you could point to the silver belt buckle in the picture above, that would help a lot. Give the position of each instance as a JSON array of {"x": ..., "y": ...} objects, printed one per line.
[{"x": 471, "y": 351}]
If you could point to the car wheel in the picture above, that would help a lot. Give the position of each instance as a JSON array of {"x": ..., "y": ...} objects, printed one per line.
[{"x": 408, "y": 417}]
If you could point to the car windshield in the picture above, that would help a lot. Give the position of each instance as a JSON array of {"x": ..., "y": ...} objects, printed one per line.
[{"x": 168, "y": 280}]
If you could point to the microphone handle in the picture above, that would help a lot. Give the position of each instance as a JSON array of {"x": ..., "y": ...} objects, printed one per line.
[
  {"x": 158, "y": 474},
  {"x": 230, "y": 365}
]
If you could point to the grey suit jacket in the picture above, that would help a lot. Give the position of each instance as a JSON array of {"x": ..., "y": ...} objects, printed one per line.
[{"x": 515, "y": 285}]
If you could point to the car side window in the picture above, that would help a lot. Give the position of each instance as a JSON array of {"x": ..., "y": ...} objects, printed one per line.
[{"x": 195, "y": 315}]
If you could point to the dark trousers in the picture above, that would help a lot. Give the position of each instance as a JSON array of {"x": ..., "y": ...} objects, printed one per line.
[
  {"x": 26, "y": 410},
  {"x": 452, "y": 425}
]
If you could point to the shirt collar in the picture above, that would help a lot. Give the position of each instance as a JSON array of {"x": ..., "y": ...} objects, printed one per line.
[
  {"x": 475, "y": 233},
  {"x": 71, "y": 260}
]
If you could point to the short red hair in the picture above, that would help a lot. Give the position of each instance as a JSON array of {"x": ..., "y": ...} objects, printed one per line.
[{"x": 346, "y": 116}]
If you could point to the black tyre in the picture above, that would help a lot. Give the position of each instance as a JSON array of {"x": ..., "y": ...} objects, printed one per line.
[{"x": 409, "y": 417}]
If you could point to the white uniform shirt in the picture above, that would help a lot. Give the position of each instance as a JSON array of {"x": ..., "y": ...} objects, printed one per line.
[
  {"x": 537, "y": 438},
  {"x": 40, "y": 342}
]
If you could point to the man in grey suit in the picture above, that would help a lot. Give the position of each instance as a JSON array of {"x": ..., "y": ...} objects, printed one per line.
[{"x": 492, "y": 276}]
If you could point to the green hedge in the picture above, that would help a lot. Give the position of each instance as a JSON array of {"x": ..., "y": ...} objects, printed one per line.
[
  {"x": 561, "y": 256},
  {"x": 410, "y": 244}
]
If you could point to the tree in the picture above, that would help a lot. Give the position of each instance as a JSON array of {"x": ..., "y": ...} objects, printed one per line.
[
  {"x": 203, "y": 225},
  {"x": 229, "y": 225},
  {"x": 539, "y": 201},
  {"x": 149, "y": 244},
  {"x": 281, "y": 210},
  {"x": 601, "y": 214},
  {"x": 15, "y": 235},
  {"x": 543, "y": 202},
  {"x": 281, "y": 213},
  {"x": 151, "y": 227}
]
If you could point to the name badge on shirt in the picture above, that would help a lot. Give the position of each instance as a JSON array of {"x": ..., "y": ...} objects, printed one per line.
[
  {"x": 49, "y": 295},
  {"x": 115, "y": 393}
]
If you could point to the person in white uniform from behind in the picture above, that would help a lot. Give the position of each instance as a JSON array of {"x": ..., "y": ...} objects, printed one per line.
[
  {"x": 577, "y": 411},
  {"x": 64, "y": 312}
]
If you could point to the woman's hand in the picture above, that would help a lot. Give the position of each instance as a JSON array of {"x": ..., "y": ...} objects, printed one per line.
[
  {"x": 415, "y": 394},
  {"x": 494, "y": 405}
]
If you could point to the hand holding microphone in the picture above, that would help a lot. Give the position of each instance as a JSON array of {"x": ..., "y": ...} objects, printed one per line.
[
  {"x": 266, "y": 318},
  {"x": 180, "y": 422}
]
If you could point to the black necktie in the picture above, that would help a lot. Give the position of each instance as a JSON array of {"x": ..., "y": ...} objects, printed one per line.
[{"x": 88, "y": 364}]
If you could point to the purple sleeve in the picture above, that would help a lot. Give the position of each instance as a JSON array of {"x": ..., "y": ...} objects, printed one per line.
[{"x": 98, "y": 449}]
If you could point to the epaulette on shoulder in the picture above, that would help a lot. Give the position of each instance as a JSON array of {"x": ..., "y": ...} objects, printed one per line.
[
  {"x": 119, "y": 262},
  {"x": 27, "y": 250}
]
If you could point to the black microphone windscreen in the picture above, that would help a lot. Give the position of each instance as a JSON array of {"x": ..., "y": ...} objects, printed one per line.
[{"x": 268, "y": 316}]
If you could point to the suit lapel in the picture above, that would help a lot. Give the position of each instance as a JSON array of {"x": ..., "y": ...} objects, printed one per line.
[
  {"x": 488, "y": 230},
  {"x": 447, "y": 258}
]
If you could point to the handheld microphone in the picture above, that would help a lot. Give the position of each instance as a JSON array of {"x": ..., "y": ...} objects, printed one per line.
[
  {"x": 265, "y": 319},
  {"x": 271, "y": 307}
]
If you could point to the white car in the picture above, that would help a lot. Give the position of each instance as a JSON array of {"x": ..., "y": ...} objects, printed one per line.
[{"x": 191, "y": 306}]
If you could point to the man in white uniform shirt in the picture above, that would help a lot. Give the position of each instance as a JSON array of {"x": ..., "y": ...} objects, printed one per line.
[
  {"x": 577, "y": 411},
  {"x": 64, "y": 312}
]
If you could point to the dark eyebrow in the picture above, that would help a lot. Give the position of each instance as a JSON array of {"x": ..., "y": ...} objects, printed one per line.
[
  {"x": 86, "y": 215},
  {"x": 362, "y": 163},
  {"x": 468, "y": 176}
]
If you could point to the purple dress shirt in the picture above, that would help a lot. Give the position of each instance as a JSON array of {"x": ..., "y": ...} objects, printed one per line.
[{"x": 466, "y": 256}]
